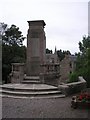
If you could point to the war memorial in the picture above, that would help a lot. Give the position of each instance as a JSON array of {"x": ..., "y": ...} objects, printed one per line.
[
  {"x": 43, "y": 75},
  {"x": 35, "y": 83}
]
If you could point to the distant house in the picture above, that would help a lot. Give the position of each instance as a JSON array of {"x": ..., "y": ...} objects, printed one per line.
[
  {"x": 67, "y": 66},
  {"x": 52, "y": 58}
]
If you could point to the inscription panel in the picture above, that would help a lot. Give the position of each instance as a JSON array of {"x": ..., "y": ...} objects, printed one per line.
[
  {"x": 34, "y": 34},
  {"x": 35, "y": 47}
]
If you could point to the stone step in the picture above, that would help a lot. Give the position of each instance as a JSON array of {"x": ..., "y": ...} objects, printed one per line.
[
  {"x": 30, "y": 94},
  {"x": 37, "y": 78},
  {"x": 28, "y": 88},
  {"x": 30, "y": 82},
  {"x": 37, "y": 97}
]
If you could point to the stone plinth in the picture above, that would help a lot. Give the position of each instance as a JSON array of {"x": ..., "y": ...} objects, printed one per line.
[
  {"x": 36, "y": 46},
  {"x": 50, "y": 73},
  {"x": 17, "y": 73}
]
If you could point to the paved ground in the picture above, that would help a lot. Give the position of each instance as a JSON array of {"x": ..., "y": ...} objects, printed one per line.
[{"x": 41, "y": 108}]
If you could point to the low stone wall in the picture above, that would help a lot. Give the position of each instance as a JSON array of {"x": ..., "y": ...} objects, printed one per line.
[
  {"x": 17, "y": 74},
  {"x": 74, "y": 87}
]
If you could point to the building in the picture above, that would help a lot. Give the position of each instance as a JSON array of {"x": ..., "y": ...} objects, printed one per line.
[
  {"x": 67, "y": 66},
  {"x": 52, "y": 58}
]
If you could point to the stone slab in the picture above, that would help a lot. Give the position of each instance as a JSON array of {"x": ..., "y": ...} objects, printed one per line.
[
  {"x": 28, "y": 86},
  {"x": 30, "y": 90}
]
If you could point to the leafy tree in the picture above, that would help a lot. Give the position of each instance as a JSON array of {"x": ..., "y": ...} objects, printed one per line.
[
  {"x": 83, "y": 60},
  {"x": 61, "y": 54},
  {"x": 48, "y": 51},
  {"x": 11, "y": 54},
  {"x": 13, "y": 36},
  {"x": 84, "y": 45},
  {"x": 12, "y": 50}
]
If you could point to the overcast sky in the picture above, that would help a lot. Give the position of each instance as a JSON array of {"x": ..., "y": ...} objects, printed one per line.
[{"x": 66, "y": 20}]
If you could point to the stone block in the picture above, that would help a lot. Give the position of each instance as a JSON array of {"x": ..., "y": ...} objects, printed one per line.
[
  {"x": 17, "y": 73},
  {"x": 64, "y": 89},
  {"x": 42, "y": 78}
]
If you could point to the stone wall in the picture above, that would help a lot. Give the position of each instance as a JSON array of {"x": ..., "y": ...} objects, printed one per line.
[
  {"x": 50, "y": 78},
  {"x": 74, "y": 87},
  {"x": 67, "y": 66},
  {"x": 50, "y": 74}
]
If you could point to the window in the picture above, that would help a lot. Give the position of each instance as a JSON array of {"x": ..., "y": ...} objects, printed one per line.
[{"x": 70, "y": 64}]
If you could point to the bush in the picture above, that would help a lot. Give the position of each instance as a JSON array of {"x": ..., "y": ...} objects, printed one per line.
[{"x": 73, "y": 77}]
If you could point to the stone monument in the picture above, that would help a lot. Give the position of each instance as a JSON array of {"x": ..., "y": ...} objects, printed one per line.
[
  {"x": 36, "y": 68},
  {"x": 36, "y": 46}
]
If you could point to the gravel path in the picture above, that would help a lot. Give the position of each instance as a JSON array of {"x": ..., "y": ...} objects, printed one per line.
[{"x": 41, "y": 108}]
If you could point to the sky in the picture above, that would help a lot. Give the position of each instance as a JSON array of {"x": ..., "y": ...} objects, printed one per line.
[{"x": 66, "y": 20}]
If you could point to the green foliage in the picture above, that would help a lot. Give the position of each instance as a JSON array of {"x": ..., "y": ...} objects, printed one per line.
[
  {"x": 83, "y": 60},
  {"x": 85, "y": 44},
  {"x": 61, "y": 54},
  {"x": 11, "y": 54},
  {"x": 12, "y": 50},
  {"x": 73, "y": 77},
  {"x": 13, "y": 36},
  {"x": 48, "y": 51},
  {"x": 6, "y": 69}
]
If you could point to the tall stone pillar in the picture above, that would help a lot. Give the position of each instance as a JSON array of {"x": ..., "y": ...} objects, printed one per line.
[{"x": 36, "y": 47}]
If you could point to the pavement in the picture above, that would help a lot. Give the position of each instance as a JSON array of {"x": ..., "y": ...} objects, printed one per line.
[{"x": 41, "y": 108}]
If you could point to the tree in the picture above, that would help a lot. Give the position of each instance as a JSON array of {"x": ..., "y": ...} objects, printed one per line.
[
  {"x": 84, "y": 45},
  {"x": 61, "y": 54},
  {"x": 48, "y": 51},
  {"x": 12, "y": 50},
  {"x": 11, "y": 54},
  {"x": 13, "y": 36},
  {"x": 83, "y": 60}
]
